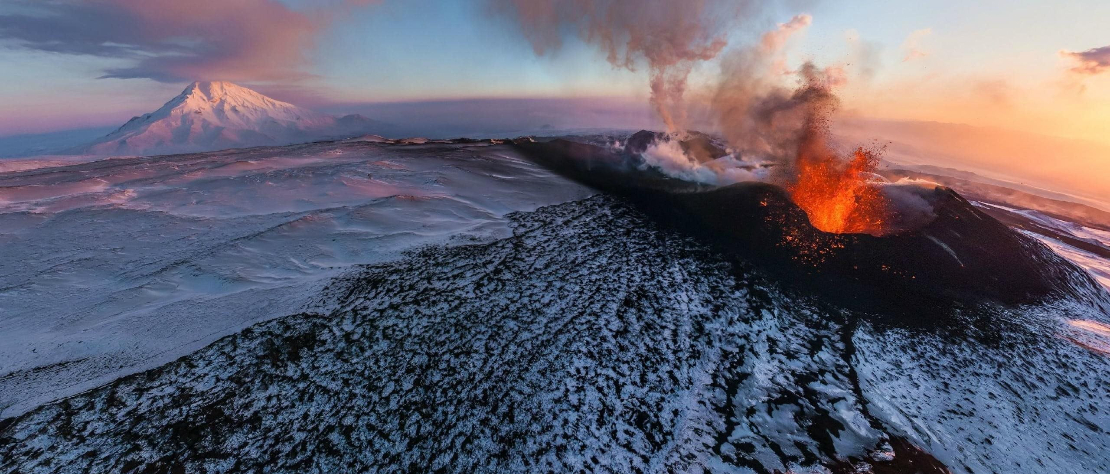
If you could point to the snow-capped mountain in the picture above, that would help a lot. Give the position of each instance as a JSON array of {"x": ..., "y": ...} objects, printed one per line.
[{"x": 217, "y": 115}]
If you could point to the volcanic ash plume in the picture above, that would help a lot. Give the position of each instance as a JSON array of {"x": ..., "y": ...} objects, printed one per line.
[
  {"x": 838, "y": 193},
  {"x": 671, "y": 36},
  {"x": 761, "y": 118}
]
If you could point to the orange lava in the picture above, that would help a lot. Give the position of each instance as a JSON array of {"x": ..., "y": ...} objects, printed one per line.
[{"x": 835, "y": 192}]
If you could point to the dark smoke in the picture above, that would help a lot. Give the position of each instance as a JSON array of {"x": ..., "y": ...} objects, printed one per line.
[
  {"x": 761, "y": 117},
  {"x": 670, "y": 35}
]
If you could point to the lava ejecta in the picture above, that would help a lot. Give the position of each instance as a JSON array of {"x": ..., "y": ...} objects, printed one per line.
[
  {"x": 836, "y": 194},
  {"x": 839, "y": 194}
]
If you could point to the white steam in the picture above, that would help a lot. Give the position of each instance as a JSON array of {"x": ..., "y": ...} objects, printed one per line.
[{"x": 668, "y": 157}]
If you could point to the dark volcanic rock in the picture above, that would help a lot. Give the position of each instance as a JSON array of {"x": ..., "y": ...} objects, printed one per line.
[
  {"x": 640, "y": 141},
  {"x": 701, "y": 148},
  {"x": 698, "y": 146},
  {"x": 590, "y": 340},
  {"x": 619, "y": 173},
  {"x": 962, "y": 257}
]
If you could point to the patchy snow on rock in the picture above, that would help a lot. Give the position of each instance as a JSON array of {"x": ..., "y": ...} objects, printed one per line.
[
  {"x": 587, "y": 338},
  {"x": 367, "y": 306}
]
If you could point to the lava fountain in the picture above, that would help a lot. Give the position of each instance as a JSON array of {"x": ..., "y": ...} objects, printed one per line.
[{"x": 839, "y": 194}]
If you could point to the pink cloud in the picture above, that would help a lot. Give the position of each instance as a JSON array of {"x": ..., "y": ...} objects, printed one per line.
[
  {"x": 172, "y": 41},
  {"x": 1091, "y": 61},
  {"x": 775, "y": 40},
  {"x": 912, "y": 45},
  {"x": 670, "y": 36}
]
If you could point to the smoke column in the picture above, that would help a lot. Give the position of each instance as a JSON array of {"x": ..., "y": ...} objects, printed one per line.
[
  {"x": 752, "y": 108},
  {"x": 760, "y": 117},
  {"x": 671, "y": 36}
]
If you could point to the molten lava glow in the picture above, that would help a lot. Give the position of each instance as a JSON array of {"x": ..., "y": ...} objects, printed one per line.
[{"x": 835, "y": 193}]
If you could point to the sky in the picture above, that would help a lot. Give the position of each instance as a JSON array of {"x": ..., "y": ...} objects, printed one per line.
[{"x": 1023, "y": 65}]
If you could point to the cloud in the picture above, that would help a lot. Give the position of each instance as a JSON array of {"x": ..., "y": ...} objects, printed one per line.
[
  {"x": 912, "y": 45},
  {"x": 1089, "y": 62},
  {"x": 774, "y": 40},
  {"x": 174, "y": 41},
  {"x": 996, "y": 92},
  {"x": 864, "y": 57}
]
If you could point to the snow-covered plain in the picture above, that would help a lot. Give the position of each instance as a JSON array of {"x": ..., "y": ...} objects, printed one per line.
[{"x": 118, "y": 265}]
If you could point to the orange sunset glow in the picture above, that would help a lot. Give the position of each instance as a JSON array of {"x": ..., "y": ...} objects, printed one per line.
[{"x": 554, "y": 236}]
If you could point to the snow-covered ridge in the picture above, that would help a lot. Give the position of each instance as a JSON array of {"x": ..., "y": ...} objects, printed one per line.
[{"x": 217, "y": 115}]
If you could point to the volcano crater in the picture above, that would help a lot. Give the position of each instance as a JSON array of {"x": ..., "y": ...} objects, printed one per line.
[{"x": 960, "y": 257}]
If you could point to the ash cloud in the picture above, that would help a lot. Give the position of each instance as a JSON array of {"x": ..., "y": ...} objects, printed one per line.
[
  {"x": 668, "y": 156},
  {"x": 757, "y": 115},
  {"x": 865, "y": 57},
  {"x": 764, "y": 121},
  {"x": 776, "y": 39},
  {"x": 755, "y": 112},
  {"x": 670, "y": 36},
  {"x": 1089, "y": 62},
  {"x": 171, "y": 41}
]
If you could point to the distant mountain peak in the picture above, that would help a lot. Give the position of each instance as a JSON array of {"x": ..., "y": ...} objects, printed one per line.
[
  {"x": 213, "y": 115},
  {"x": 211, "y": 88},
  {"x": 222, "y": 91}
]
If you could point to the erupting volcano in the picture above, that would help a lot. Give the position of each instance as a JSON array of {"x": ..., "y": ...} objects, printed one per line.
[
  {"x": 840, "y": 194},
  {"x": 681, "y": 247},
  {"x": 835, "y": 227},
  {"x": 837, "y": 195}
]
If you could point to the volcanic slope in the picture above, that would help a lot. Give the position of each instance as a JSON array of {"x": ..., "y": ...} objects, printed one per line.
[{"x": 590, "y": 340}]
